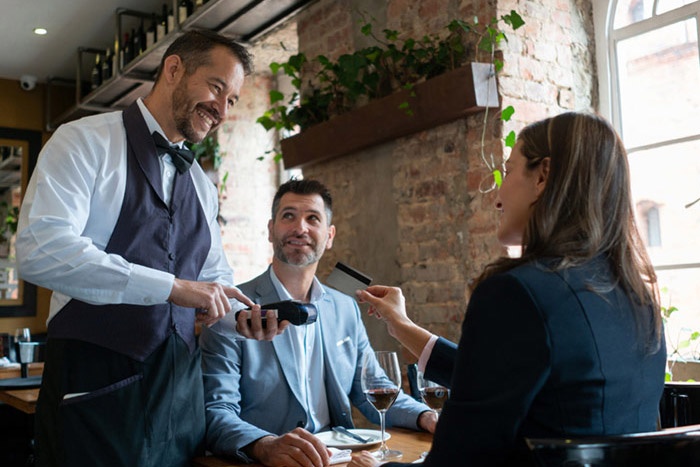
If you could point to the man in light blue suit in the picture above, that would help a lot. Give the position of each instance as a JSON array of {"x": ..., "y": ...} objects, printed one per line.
[{"x": 264, "y": 399}]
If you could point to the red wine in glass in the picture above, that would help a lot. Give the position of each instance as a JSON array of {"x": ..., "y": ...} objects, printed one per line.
[
  {"x": 381, "y": 380},
  {"x": 435, "y": 397},
  {"x": 382, "y": 398}
]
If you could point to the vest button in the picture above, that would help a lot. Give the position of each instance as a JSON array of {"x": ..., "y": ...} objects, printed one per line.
[{"x": 171, "y": 256}]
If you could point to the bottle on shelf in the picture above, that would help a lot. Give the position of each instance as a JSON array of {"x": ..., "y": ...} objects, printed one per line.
[
  {"x": 151, "y": 32},
  {"x": 171, "y": 20},
  {"x": 135, "y": 43},
  {"x": 115, "y": 57},
  {"x": 127, "y": 52},
  {"x": 139, "y": 40},
  {"x": 162, "y": 26},
  {"x": 184, "y": 10},
  {"x": 96, "y": 73},
  {"x": 198, "y": 3},
  {"x": 107, "y": 65}
]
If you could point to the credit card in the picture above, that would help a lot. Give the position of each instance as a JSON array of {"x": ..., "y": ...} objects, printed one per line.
[{"x": 347, "y": 280}]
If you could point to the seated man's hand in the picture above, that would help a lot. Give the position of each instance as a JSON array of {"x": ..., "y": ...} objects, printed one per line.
[
  {"x": 255, "y": 329},
  {"x": 296, "y": 448},
  {"x": 427, "y": 421}
]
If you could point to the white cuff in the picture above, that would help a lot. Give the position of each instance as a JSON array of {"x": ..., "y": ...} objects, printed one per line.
[{"x": 425, "y": 354}]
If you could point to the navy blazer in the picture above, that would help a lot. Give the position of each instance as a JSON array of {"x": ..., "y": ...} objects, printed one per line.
[{"x": 542, "y": 355}]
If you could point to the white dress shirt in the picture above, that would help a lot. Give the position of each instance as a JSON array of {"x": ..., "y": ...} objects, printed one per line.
[{"x": 72, "y": 205}]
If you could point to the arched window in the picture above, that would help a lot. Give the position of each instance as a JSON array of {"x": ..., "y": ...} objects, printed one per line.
[{"x": 649, "y": 71}]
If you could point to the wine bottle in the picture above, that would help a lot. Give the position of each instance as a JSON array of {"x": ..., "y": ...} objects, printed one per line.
[
  {"x": 96, "y": 73},
  {"x": 171, "y": 20},
  {"x": 151, "y": 32},
  {"x": 182, "y": 11},
  {"x": 198, "y": 3},
  {"x": 162, "y": 27},
  {"x": 115, "y": 58},
  {"x": 107, "y": 65},
  {"x": 135, "y": 43},
  {"x": 140, "y": 46},
  {"x": 128, "y": 50}
]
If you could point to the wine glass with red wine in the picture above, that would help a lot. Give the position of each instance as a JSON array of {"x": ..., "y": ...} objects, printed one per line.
[
  {"x": 381, "y": 380},
  {"x": 434, "y": 395}
]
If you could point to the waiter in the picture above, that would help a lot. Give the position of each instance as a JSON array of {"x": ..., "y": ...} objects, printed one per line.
[{"x": 122, "y": 227}]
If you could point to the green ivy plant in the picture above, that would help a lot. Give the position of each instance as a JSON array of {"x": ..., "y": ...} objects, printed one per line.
[
  {"x": 10, "y": 219},
  {"x": 379, "y": 70},
  {"x": 210, "y": 150},
  {"x": 207, "y": 149}
]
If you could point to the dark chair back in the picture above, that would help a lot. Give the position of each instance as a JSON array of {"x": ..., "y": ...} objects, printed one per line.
[
  {"x": 680, "y": 404},
  {"x": 412, "y": 376},
  {"x": 674, "y": 447}
]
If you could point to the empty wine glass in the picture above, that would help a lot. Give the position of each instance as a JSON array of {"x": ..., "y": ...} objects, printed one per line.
[
  {"x": 21, "y": 335},
  {"x": 381, "y": 380}
]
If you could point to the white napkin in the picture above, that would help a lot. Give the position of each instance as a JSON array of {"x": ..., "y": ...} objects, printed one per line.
[
  {"x": 6, "y": 363},
  {"x": 339, "y": 456}
]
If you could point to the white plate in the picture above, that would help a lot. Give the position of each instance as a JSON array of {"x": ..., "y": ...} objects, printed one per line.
[{"x": 337, "y": 440}]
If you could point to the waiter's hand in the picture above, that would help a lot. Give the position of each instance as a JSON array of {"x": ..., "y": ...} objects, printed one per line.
[
  {"x": 296, "y": 448},
  {"x": 211, "y": 299},
  {"x": 255, "y": 329}
]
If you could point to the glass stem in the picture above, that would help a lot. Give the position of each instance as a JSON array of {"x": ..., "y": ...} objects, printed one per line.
[{"x": 382, "y": 416}]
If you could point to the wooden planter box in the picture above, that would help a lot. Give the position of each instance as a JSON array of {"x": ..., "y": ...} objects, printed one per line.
[
  {"x": 442, "y": 99},
  {"x": 684, "y": 371}
]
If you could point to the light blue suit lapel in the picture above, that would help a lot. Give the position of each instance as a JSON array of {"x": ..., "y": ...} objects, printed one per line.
[
  {"x": 285, "y": 348},
  {"x": 283, "y": 344},
  {"x": 334, "y": 391}
]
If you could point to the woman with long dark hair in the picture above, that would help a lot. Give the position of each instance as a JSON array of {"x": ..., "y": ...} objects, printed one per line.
[{"x": 565, "y": 340}]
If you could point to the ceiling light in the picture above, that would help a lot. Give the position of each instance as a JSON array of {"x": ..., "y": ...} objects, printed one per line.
[{"x": 40, "y": 31}]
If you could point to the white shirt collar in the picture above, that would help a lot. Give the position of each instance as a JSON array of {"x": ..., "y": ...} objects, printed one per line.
[
  {"x": 152, "y": 123},
  {"x": 317, "y": 290}
]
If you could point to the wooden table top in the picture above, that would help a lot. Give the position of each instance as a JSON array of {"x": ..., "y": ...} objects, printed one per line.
[
  {"x": 411, "y": 443},
  {"x": 21, "y": 399},
  {"x": 35, "y": 369}
]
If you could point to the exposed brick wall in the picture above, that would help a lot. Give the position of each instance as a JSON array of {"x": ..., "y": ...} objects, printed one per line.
[
  {"x": 251, "y": 184},
  {"x": 550, "y": 66}
]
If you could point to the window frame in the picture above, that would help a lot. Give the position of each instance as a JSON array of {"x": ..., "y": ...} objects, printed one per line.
[
  {"x": 607, "y": 39},
  {"x": 656, "y": 21}
]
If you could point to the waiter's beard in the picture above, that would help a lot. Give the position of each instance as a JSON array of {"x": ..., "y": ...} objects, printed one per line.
[{"x": 183, "y": 113}]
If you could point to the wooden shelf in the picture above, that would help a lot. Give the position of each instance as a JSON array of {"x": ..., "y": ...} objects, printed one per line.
[{"x": 455, "y": 94}]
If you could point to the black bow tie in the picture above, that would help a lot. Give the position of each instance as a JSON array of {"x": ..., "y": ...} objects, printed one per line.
[{"x": 182, "y": 157}]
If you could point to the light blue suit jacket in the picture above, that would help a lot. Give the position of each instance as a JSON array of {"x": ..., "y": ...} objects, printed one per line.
[{"x": 252, "y": 388}]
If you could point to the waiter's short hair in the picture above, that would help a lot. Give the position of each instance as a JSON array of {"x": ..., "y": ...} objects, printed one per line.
[
  {"x": 304, "y": 187},
  {"x": 193, "y": 48}
]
